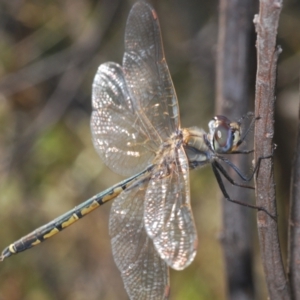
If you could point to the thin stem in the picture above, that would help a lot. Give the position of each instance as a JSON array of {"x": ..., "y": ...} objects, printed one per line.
[{"x": 267, "y": 54}]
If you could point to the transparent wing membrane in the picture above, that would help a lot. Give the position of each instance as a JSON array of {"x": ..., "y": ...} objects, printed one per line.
[
  {"x": 118, "y": 134},
  {"x": 144, "y": 273},
  {"x": 168, "y": 216},
  {"x": 147, "y": 73}
]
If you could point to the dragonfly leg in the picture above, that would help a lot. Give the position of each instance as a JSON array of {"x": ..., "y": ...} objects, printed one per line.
[
  {"x": 238, "y": 171},
  {"x": 250, "y": 127},
  {"x": 227, "y": 197},
  {"x": 220, "y": 168}
]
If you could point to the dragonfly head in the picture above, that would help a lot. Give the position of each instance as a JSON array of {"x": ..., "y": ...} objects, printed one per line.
[{"x": 224, "y": 135}]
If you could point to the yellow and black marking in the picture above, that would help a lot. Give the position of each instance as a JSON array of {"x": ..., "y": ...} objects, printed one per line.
[{"x": 50, "y": 229}]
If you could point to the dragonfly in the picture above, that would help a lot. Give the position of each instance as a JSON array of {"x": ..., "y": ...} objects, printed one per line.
[{"x": 136, "y": 131}]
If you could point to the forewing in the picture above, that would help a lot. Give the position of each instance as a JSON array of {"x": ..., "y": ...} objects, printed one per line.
[
  {"x": 118, "y": 134},
  {"x": 168, "y": 217},
  {"x": 145, "y": 274},
  {"x": 147, "y": 73}
]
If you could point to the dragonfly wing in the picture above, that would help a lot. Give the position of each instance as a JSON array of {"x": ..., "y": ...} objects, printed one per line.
[
  {"x": 147, "y": 74},
  {"x": 145, "y": 274},
  {"x": 118, "y": 136},
  {"x": 168, "y": 216},
  {"x": 135, "y": 106}
]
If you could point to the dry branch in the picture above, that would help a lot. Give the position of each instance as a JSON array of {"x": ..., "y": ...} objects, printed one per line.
[{"x": 266, "y": 24}]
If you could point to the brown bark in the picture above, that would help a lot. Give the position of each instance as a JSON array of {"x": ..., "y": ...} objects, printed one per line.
[{"x": 266, "y": 24}]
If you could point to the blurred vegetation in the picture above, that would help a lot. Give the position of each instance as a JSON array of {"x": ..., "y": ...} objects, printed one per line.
[{"x": 49, "y": 53}]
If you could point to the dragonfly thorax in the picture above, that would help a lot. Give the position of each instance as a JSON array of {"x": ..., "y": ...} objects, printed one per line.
[
  {"x": 167, "y": 152},
  {"x": 201, "y": 147},
  {"x": 197, "y": 147}
]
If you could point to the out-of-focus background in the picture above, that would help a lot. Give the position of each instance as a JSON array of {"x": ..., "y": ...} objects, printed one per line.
[{"x": 49, "y": 53}]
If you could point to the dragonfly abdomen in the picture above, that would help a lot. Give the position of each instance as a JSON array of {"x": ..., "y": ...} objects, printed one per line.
[{"x": 50, "y": 229}]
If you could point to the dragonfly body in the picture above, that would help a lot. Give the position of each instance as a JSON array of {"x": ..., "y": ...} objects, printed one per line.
[
  {"x": 195, "y": 142},
  {"x": 55, "y": 226},
  {"x": 136, "y": 131}
]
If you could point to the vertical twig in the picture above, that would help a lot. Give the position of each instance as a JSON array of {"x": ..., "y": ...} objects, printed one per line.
[
  {"x": 294, "y": 223},
  {"x": 266, "y": 24},
  {"x": 233, "y": 68}
]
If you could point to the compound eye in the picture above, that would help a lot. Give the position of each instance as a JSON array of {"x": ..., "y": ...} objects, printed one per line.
[{"x": 223, "y": 138}]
